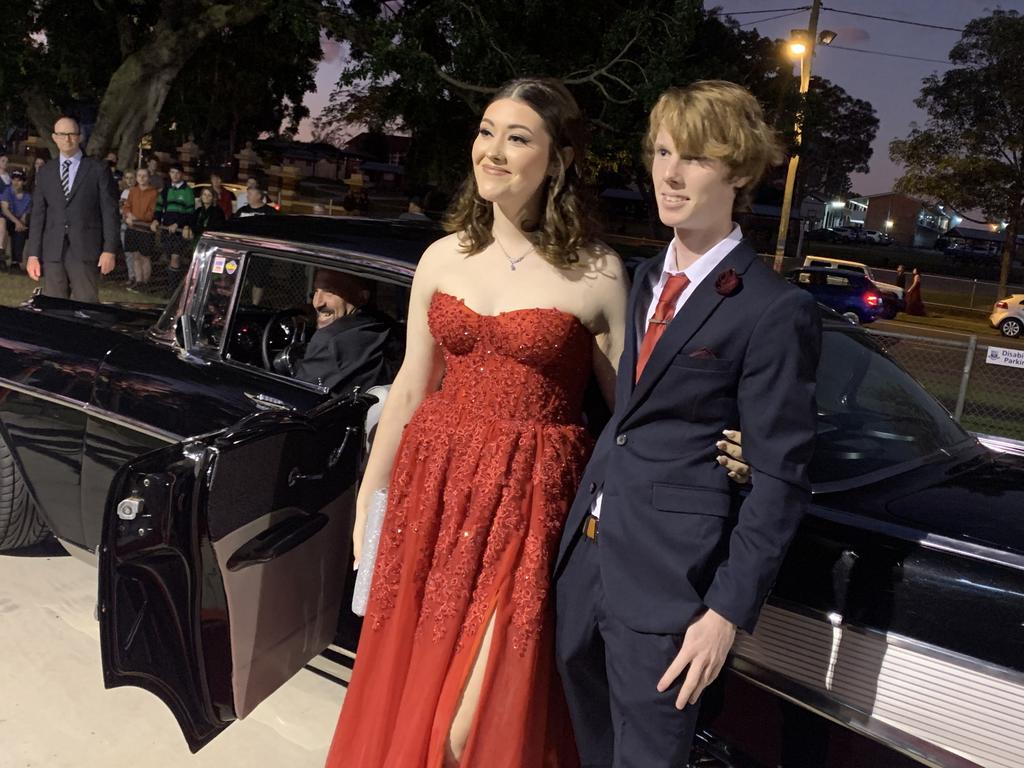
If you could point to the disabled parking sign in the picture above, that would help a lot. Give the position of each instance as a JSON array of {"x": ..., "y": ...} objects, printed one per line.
[{"x": 1002, "y": 356}]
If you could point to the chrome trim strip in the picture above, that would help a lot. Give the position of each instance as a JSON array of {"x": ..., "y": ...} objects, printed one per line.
[
  {"x": 1001, "y": 444},
  {"x": 847, "y": 717},
  {"x": 394, "y": 267},
  {"x": 906, "y": 642},
  {"x": 909, "y": 694},
  {"x": 91, "y": 411}
]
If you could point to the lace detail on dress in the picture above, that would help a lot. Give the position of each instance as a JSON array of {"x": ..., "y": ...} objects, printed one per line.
[{"x": 485, "y": 472}]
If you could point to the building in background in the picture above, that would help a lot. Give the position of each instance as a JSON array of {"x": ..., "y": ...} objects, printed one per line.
[{"x": 907, "y": 220}]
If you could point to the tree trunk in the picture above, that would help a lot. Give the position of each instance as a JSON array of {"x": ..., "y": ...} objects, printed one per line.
[
  {"x": 43, "y": 115},
  {"x": 135, "y": 95}
]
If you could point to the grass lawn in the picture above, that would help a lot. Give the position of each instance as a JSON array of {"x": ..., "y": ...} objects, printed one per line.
[{"x": 17, "y": 287}]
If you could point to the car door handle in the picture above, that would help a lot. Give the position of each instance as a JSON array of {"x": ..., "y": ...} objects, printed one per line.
[
  {"x": 277, "y": 540},
  {"x": 266, "y": 402},
  {"x": 335, "y": 456}
]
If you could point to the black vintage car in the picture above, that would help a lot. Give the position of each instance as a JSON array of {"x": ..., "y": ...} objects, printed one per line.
[{"x": 217, "y": 495}]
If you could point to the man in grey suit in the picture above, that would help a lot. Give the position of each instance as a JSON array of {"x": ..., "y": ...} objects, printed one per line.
[{"x": 74, "y": 230}]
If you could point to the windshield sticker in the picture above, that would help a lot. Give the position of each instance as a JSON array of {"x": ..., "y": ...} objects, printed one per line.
[
  {"x": 1000, "y": 356},
  {"x": 218, "y": 265},
  {"x": 231, "y": 266}
]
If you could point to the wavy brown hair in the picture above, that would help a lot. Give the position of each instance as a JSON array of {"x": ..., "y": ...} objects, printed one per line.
[{"x": 566, "y": 225}]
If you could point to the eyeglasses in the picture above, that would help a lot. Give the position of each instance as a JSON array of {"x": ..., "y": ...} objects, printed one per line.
[{"x": 65, "y": 135}]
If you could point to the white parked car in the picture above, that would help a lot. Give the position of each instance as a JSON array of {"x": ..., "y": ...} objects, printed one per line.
[
  {"x": 874, "y": 236},
  {"x": 853, "y": 266},
  {"x": 1008, "y": 316}
]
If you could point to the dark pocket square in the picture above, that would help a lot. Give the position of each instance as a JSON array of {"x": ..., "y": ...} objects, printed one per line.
[{"x": 704, "y": 353}]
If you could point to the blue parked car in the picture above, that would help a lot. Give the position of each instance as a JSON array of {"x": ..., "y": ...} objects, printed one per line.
[{"x": 850, "y": 294}]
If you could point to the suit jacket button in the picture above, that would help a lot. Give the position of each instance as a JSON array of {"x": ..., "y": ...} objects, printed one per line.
[
  {"x": 592, "y": 487},
  {"x": 621, "y": 440}
]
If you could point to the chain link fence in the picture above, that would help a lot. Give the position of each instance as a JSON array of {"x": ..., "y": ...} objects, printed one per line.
[
  {"x": 983, "y": 395},
  {"x": 957, "y": 293}
]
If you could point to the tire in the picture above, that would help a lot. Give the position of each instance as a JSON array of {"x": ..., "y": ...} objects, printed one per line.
[
  {"x": 852, "y": 316},
  {"x": 20, "y": 523},
  {"x": 1011, "y": 327}
]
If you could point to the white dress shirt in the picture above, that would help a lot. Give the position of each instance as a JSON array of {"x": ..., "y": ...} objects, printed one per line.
[
  {"x": 696, "y": 273},
  {"x": 76, "y": 161}
]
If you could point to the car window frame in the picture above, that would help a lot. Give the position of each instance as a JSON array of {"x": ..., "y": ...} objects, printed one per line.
[{"x": 351, "y": 263}]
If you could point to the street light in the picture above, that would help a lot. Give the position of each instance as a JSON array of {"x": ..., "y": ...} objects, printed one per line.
[{"x": 801, "y": 45}]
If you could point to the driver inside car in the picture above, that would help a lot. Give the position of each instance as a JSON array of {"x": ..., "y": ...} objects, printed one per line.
[{"x": 351, "y": 339}]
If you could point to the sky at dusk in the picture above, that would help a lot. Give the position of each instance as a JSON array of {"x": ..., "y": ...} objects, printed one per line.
[{"x": 890, "y": 84}]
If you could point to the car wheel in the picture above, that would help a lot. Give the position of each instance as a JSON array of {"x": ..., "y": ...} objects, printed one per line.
[
  {"x": 1011, "y": 327},
  {"x": 852, "y": 316},
  {"x": 20, "y": 523}
]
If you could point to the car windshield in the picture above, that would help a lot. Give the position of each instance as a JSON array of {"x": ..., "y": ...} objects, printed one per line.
[{"x": 874, "y": 419}]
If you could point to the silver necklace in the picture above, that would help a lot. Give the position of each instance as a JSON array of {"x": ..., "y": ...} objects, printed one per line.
[{"x": 512, "y": 262}]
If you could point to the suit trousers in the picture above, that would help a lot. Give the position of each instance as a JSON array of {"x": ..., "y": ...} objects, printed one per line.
[
  {"x": 72, "y": 278},
  {"x": 611, "y": 673}
]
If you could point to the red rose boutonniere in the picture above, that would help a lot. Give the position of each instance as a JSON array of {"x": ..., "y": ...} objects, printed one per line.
[{"x": 728, "y": 282}]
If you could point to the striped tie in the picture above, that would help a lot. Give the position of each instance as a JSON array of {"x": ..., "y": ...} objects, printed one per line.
[{"x": 65, "y": 178}]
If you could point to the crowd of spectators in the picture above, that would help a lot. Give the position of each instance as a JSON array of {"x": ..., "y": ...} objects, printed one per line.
[{"x": 162, "y": 215}]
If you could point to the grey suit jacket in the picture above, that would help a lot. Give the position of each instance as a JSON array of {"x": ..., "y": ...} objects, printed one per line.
[{"x": 89, "y": 219}]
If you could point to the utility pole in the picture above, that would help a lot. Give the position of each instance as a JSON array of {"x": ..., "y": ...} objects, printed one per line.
[{"x": 806, "y": 57}]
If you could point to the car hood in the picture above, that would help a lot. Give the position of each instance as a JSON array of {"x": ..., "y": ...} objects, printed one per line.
[
  {"x": 134, "y": 319},
  {"x": 980, "y": 500},
  {"x": 890, "y": 288}
]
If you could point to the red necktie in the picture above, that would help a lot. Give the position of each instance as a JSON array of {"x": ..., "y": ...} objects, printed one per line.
[{"x": 663, "y": 314}]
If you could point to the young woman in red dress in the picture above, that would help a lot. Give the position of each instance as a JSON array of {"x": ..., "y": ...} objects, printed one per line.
[{"x": 481, "y": 447}]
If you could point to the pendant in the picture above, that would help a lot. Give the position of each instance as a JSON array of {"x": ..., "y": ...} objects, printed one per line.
[{"x": 512, "y": 265}]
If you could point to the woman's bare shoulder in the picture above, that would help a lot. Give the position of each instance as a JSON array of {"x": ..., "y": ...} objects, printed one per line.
[
  {"x": 603, "y": 270},
  {"x": 440, "y": 255}
]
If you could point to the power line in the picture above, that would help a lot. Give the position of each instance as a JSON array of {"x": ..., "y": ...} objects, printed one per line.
[
  {"x": 889, "y": 18},
  {"x": 767, "y": 10},
  {"x": 883, "y": 53},
  {"x": 773, "y": 18}
]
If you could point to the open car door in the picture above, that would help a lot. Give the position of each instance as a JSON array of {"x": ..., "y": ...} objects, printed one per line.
[{"x": 224, "y": 559}]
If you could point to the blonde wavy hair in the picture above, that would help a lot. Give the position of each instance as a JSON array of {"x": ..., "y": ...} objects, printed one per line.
[
  {"x": 566, "y": 225},
  {"x": 720, "y": 120}
]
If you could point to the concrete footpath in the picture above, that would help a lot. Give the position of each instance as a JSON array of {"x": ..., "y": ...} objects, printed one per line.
[{"x": 54, "y": 711}]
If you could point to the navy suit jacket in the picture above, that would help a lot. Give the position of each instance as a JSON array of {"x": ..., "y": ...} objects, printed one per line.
[{"x": 675, "y": 534}]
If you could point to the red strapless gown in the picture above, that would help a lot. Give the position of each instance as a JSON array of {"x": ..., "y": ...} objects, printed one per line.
[{"x": 481, "y": 485}]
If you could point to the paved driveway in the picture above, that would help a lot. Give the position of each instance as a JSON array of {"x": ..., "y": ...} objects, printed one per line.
[{"x": 55, "y": 713}]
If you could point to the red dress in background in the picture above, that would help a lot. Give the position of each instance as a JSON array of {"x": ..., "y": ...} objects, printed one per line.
[{"x": 480, "y": 489}]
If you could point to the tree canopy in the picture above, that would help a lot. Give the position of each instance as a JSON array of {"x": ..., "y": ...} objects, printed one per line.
[
  {"x": 429, "y": 66},
  {"x": 114, "y": 63},
  {"x": 968, "y": 153}
]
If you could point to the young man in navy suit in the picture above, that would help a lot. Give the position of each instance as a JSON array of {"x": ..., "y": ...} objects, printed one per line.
[{"x": 662, "y": 560}]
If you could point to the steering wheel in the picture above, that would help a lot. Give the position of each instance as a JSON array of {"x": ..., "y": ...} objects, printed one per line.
[{"x": 292, "y": 328}]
